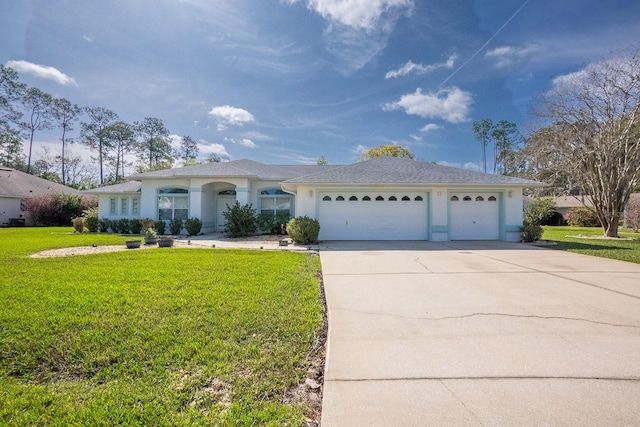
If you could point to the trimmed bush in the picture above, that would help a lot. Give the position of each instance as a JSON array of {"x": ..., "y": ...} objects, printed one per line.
[
  {"x": 175, "y": 226},
  {"x": 78, "y": 224},
  {"x": 303, "y": 229},
  {"x": 268, "y": 223},
  {"x": 240, "y": 220},
  {"x": 91, "y": 220},
  {"x": 160, "y": 227},
  {"x": 531, "y": 232},
  {"x": 104, "y": 224},
  {"x": 122, "y": 226},
  {"x": 583, "y": 217},
  {"x": 136, "y": 226},
  {"x": 193, "y": 226}
]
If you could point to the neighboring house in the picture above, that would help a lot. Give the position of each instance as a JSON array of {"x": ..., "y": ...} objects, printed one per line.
[
  {"x": 384, "y": 198},
  {"x": 566, "y": 203},
  {"x": 16, "y": 186}
]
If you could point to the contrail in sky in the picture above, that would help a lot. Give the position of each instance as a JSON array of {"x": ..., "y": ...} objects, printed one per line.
[{"x": 483, "y": 46}]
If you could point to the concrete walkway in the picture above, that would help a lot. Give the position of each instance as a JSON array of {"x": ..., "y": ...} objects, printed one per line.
[{"x": 470, "y": 333}]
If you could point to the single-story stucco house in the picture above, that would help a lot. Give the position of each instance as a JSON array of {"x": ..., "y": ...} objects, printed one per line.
[
  {"x": 384, "y": 198},
  {"x": 17, "y": 186}
]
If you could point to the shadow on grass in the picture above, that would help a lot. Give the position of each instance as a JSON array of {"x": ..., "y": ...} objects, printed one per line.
[{"x": 583, "y": 246}]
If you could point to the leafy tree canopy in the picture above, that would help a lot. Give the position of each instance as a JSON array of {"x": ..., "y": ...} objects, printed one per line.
[{"x": 387, "y": 151}]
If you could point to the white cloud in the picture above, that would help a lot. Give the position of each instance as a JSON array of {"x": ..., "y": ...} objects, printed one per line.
[
  {"x": 42, "y": 71},
  {"x": 175, "y": 141},
  {"x": 360, "y": 14},
  {"x": 429, "y": 127},
  {"x": 353, "y": 48},
  {"x": 468, "y": 165},
  {"x": 245, "y": 142},
  {"x": 570, "y": 79},
  {"x": 357, "y": 30},
  {"x": 451, "y": 104},
  {"x": 227, "y": 115},
  {"x": 360, "y": 149},
  {"x": 506, "y": 56},
  {"x": 212, "y": 148},
  {"x": 471, "y": 166},
  {"x": 87, "y": 38},
  {"x": 257, "y": 136},
  {"x": 410, "y": 67}
]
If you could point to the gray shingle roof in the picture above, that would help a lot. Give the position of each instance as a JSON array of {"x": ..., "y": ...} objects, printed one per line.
[
  {"x": 393, "y": 170},
  {"x": 14, "y": 183},
  {"x": 125, "y": 187},
  {"x": 237, "y": 168}
]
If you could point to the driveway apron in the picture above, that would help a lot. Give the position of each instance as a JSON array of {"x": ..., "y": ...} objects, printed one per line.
[{"x": 479, "y": 333}]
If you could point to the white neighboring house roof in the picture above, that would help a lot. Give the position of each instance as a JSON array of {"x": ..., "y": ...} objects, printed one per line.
[
  {"x": 128, "y": 187},
  {"x": 394, "y": 170},
  {"x": 21, "y": 185}
]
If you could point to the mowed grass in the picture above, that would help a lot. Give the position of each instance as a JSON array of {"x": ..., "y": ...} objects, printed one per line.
[
  {"x": 620, "y": 249},
  {"x": 152, "y": 337}
]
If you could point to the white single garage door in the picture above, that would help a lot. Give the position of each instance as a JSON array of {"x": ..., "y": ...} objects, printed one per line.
[
  {"x": 373, "y": 216},
  {"x": 474, "y": 216}
]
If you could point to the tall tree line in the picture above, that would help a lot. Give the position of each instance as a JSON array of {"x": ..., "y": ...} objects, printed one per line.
[{"x": 26, "y": 111}]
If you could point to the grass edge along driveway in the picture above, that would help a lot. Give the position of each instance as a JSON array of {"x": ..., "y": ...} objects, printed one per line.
[
  {"x": 154, "y": 337},
  {"x": 589, "y": 241}
]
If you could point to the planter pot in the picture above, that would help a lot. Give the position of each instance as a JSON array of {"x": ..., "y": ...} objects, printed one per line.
[
  {"x": 133, "y": 244},
  {"x": 150, "y": 240},
  {"x": 165, "y": 243}
]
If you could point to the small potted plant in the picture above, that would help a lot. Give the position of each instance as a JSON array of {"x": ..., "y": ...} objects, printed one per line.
[{"x": 150, "y": 237}]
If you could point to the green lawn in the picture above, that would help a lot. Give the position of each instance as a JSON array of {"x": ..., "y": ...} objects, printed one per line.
[
  {"x": 152, "y": 337},
  {"x": 624, "y": 250}
]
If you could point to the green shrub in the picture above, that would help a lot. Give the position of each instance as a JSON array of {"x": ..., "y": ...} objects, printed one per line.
[
  {"x": 531, "y": 232},
  {"x": 583, "y": 217},
  {"x": 193, "y": 226},
  {"x": 303, "y": 229},
  {"x": 160, "y": 227},
  {"x": 175, "y": 226},
  {"x": 268, "y": 223},
  {"x": 240, "y": 220},
  {"x": 147, "y": 223},
  {"x": 78, "y": 224},
  {"x": 57, "y": 209},
  {"x": 104, "y": 224},
  {"x": 539, "y": 210},
  {"x": 123, "y": 226},
  {"x": 136, "y": 226},
  {"x": 91, "y": 220}
]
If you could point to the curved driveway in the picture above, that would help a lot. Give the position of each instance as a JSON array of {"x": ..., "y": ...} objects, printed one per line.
[{"x": 479, "y": 333}]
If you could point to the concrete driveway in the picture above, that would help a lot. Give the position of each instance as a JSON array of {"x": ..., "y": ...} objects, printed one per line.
[{"x": 479, "y": 333}]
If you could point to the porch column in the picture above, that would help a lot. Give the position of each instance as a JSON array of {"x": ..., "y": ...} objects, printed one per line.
[
  {"x": 242, "y": 195},
  {"x": 195, "y": 202}
]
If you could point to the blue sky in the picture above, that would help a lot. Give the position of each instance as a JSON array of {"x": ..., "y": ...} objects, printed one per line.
[{"x": 288, "y": 81}]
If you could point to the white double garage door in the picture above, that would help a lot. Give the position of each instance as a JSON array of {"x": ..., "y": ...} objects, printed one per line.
[{"x": 404, "y": 216}]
